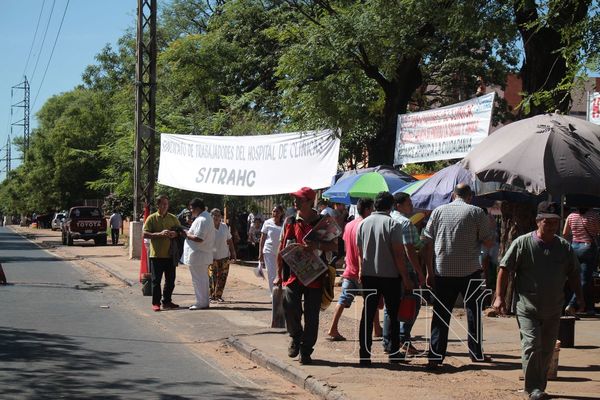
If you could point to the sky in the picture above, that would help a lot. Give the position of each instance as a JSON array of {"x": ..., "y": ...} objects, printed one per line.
[{"x": 88, "y": 26}]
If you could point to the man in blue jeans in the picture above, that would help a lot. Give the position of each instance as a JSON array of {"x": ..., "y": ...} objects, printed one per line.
[
  {"x": 583, "y": 228},
  {"x": 382, "y": 272},
  {"x": 403, "y": 208},
  {"x": 457, "y": 230}
]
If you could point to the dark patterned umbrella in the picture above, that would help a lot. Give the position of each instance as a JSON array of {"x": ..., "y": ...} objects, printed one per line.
[{"x": 553, "y": 153}]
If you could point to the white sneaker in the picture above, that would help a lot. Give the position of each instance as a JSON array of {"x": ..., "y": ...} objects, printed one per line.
[{"x": 195, "y": 307}]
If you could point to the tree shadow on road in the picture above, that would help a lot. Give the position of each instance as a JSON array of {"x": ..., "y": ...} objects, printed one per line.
[
  {"x": 40, "y": 365},
  {"x": 33, "y": 259}
]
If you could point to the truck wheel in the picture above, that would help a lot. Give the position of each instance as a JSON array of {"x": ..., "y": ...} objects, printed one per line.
[
  {"x": 69, "y": 240},
  {"x": 103, "y": 241}
]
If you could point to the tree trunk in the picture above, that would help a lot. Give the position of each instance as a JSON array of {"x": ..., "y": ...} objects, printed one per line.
[
  {"x": 398, "y": 93},
  {"x": 545, "y": 67},
  {"x": 517, "y": 219}
]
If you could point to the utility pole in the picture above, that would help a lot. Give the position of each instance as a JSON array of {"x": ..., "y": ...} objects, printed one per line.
[
  {"x": 6, "y": 158},
  {"x": 145, "y": 105},
  {"x": 24, "y": 104}
]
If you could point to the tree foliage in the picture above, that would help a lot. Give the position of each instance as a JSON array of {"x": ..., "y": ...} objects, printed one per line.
[
  {"x": 243, "y": 67},
  {"x": 560, "y": 41},
  {"x": 357, "y": 65}
]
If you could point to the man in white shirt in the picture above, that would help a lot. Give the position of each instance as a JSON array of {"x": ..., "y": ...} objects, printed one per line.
[
  {"x": 324, "y": 209},
  {"x": 198, "y": 252},
  {"x": 115, "y": 222}
]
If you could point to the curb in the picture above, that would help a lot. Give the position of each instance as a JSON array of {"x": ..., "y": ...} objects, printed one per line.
[
  {"x": 45, "y": 245},
  {"x": 293, "y": 374},
  {"x": 111, "y": 271}
]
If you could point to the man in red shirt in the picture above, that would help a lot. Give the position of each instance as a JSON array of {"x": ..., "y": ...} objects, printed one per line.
[
  {"x": 295, "y": 228},
  {"x": 350, "y": 276}
]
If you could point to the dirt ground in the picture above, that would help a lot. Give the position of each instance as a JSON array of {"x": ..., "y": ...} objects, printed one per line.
[{"x": 336, "y": 363}]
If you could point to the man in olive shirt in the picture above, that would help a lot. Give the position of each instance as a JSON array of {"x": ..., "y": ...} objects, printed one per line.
[
  {"x": 542, "y": 262},
  {"x": 159, "y": 229}
]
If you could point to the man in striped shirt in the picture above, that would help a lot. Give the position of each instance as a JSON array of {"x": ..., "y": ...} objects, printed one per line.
[{"x": 457, "y": 231}]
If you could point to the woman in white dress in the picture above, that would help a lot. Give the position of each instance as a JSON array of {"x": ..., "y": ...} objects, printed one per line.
[{"x": 269, "y": 242}]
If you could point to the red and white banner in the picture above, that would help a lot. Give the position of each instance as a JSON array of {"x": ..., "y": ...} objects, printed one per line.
[
  {"x": 594, "y": 108},
  {"x": 443, "y": 133}
]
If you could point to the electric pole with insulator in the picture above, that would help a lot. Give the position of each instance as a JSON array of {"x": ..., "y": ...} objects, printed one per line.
[{"x": 24, "y": 104}]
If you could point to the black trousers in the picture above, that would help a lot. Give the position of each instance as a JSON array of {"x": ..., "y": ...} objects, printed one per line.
[
  {"x": 114, "y": 235},
  {"x": 158, "y": 267},
  {"x": 374, "y": 288},
  {"x": 446, "y": 293},
  {"x": 305, "y": 337}
]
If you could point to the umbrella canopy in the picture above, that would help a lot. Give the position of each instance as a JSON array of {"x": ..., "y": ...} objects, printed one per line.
[
  {"x": 356, "y": 184},
  {"x": 412, "y": 187},
  {"x": 554, "y": 153},
  {"x": 437, "y": 190}
]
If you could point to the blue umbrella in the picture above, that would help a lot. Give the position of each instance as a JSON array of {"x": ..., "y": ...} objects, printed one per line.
[
  {"x": 438, "y": 188},
  {"x": 366, "y": 183}
]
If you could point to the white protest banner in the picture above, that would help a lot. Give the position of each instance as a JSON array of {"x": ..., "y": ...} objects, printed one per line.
[
  {"x": 593, "y": 112},
  {"x": 249, "y": 165},
  {"x": 443, "y": 133}
]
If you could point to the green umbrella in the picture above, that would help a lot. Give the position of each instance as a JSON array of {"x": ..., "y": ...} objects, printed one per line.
[
  {"x": 367, "y": 184},
  {"x": 412, "y": 187}
]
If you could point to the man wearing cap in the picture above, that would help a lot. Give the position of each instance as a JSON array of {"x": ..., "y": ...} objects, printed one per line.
[
  {"x": 295, "y": 229},
  {"x": 542, "y": 262}
]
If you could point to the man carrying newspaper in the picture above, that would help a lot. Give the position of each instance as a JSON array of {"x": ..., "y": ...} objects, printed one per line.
[{"x": 295, "y": 230}]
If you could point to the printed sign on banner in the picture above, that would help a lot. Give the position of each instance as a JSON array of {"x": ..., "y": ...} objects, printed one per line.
[
  {"x": 249, "y": 165},
  {"x": 443, "y": 133},
  {"x": 594, "y": 108}
]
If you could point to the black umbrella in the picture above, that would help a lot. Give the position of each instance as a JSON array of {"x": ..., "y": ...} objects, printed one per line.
[{"x": 553, "y": 153}]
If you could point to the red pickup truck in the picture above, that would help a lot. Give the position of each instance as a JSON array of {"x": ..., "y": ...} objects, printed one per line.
[{"x": 84, "y": 222}]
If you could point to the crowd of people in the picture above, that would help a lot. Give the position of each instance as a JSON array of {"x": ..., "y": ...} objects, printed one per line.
[{"x": 389, "y": 250}]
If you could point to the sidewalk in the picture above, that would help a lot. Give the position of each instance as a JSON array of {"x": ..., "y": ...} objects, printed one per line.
[{"x": 335, "y": 372}]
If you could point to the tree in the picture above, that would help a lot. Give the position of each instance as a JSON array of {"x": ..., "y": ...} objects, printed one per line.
[
  {"x": 61, "y": 158},
  {"x": 560, "y": 40},
  {"x": 358, "y": 64},
  {"x": 220, "y": 80}
]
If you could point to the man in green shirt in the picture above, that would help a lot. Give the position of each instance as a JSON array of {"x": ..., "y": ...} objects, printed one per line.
[
  {"x": 542, "y": 262},
  {"x": 159, "y": 228}
]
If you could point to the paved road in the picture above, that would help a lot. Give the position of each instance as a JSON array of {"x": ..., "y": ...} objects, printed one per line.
[{"x": 66, "y": 334}]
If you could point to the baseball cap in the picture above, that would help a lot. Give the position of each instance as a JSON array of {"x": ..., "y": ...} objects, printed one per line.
[
  {"x": 305, "y": 193},
  {"x": 547, "y": 209}
]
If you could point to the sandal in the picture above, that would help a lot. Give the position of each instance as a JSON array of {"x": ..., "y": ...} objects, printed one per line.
[{"x": 336, "y": 338}]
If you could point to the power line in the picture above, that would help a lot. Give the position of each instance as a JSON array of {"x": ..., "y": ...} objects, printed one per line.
[
  {"x": 43, "y": 40},
  {"x": 34, "y": 36},
  {"x": 52, "y": 52}
]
